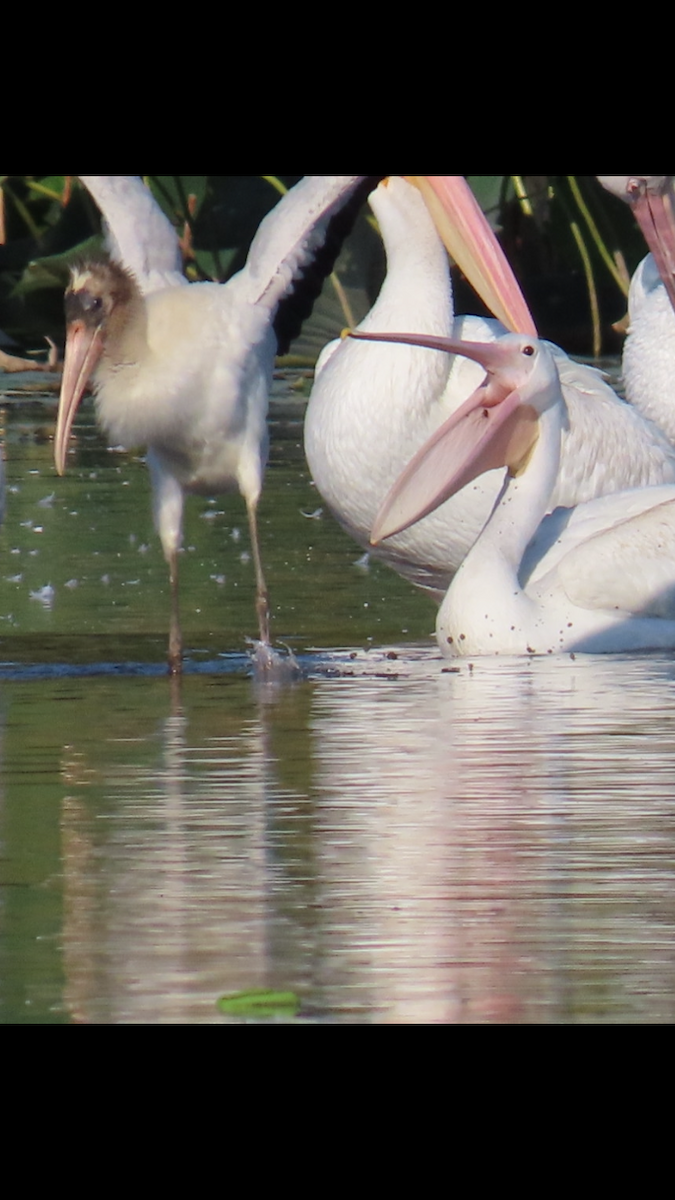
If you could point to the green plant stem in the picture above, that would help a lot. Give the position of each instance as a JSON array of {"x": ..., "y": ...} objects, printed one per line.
[
  {"x": 590, "y": 284},
  {"x": 276, "y": 183},
  {"x": 521, "y": 193},
  {"x": 44, "y": 191},
  {"x": 343, "y": 298},
  {"x": 596, "y": 235}
]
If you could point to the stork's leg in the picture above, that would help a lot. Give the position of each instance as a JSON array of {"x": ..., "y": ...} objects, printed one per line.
[
  {"x": 167, "y": 502},
  {"x": 175, "y": 636},
  {"x": 261, "y": 600}
]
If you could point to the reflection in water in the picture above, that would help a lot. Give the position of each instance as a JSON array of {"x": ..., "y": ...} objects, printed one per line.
[
  {"x": 170, "y": 905},
  {"x": 404, "y": 843},
  {"x": 492, "y": 880}
]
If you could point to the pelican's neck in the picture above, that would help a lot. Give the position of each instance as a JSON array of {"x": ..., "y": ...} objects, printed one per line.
[
  {"x": 417, "y": 293},
  {"x": 649, "y": 352}
]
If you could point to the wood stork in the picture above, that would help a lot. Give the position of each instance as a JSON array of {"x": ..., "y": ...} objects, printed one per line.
[{"x": 185, "y": 368}]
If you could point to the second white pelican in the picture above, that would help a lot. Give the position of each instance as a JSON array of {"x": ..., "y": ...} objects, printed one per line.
[{"x": 599, "y": 578}]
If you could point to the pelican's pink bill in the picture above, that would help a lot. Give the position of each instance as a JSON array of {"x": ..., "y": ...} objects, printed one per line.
[{"x": 472, "y": 244}]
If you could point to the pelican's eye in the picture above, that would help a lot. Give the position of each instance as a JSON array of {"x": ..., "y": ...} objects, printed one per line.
[
  {"x": 528, "y": 350},
  {"x": 635, "y": 187}
]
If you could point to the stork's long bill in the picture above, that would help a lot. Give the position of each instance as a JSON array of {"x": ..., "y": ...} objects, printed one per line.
[
  {"x": 83, "y": 350},
  {"x": 96, "y": 292},
  {"x": 495, "y": 427}
]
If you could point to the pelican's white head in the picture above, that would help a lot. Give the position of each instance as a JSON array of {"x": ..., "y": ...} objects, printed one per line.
[{"x": 652, "y": 200}]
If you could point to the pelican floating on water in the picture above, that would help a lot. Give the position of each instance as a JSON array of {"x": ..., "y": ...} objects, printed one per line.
[{"x": 599, "y": 578}]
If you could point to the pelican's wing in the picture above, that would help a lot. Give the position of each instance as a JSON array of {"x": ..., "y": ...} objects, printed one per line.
[
  {"x": 138, "y": 234},
  {"x": 564, "y": 529},
  {"x": 628, "y": 566},
  {"x": 607, "y": 445}
]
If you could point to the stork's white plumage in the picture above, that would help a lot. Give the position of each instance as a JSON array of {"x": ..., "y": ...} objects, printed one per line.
[
  {"x": 185, "y": 369},
  {"x": 138, "y": 235},
  {"x": 373, "y": 405},
  {"x": 607, "y": 582}
]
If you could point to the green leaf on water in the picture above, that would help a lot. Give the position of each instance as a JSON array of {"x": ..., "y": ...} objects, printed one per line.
[{"x": 260, "y": 1002}]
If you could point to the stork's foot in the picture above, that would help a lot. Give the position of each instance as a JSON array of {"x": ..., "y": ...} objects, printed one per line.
[{"x": 271, "y": 666}]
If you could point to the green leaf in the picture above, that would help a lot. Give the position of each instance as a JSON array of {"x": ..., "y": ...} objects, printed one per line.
[
  {"x": 53, "y": 270},
  {"x": 260, "y": 1002}
]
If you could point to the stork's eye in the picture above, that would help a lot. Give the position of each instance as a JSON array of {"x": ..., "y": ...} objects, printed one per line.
[
  {"x": 91, "y": 304},
  {"x": 529, "y": 350}
]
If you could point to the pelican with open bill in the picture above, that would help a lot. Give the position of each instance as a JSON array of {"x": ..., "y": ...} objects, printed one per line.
[{"x": 600, "y": 579}]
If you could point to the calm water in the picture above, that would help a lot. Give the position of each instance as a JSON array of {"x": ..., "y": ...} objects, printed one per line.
[{"x": 391, "y": 839}]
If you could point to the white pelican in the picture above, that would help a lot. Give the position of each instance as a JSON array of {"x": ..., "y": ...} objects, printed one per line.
[
  {"x": 607, "y": 581},
  {"x": 185, "y": 369},
  {"x": 373, "y": 405},
  {"x": 649, "y": 352}
]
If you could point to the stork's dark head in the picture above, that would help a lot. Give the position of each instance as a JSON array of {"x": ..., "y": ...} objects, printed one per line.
[
  {"x": 99, "y": 301},
  {"x": 98, "y": 288}
]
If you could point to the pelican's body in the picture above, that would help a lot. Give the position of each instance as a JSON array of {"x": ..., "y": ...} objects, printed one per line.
[
  {"x": 373, "y": 405},
  {"x": 599, "y": 578},
  {"x": 649, "y": 351},
  {"x": 183, "y": 369}
]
